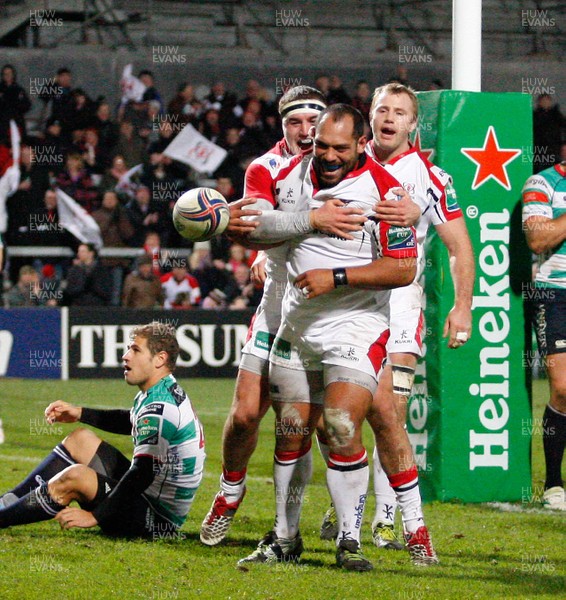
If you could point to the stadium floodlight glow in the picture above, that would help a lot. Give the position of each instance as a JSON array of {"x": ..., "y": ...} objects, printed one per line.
[{"x": 466, "y": 45}]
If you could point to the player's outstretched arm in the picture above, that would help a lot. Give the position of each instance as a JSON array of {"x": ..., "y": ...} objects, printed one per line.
[
  {"x": 62, "y": 412},
  {"x": 382, "y": 274},
  {"x": 332, "y": 218},
  {"x": 402, "y": 212},
  {"x": 240, "y": 222},
  {"x": 458, "y": 324}
]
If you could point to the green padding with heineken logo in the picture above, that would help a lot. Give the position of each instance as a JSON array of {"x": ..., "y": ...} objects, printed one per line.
[{"x": 468, "y": 405}]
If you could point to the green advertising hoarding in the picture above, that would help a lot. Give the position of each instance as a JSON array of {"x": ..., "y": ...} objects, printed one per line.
[{"x": 467, "y": 413}]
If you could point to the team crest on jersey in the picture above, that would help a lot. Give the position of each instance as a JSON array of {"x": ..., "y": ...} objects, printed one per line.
[
  {"x": 409, "y": 187},
  {"x": 178, "y": 393},
  {"x": 400, "y": 238},
  {"x": 147, "y": 431}
]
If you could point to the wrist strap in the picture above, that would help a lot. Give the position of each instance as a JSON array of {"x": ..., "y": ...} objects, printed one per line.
[{"x": 340, "y": 277}]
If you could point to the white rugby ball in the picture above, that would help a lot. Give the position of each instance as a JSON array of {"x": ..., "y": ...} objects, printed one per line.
[{"x": 201, "y": 214}]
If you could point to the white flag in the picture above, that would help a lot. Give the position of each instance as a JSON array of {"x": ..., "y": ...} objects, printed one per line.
[
  {"x": 132, "y": 87},
  {"x": 125, "y": 184},
  {"x": 11, "y": 179},
  {"x": 193, "y": 149},
  {"x": 75, "y": 219},
  {"x": 15, "y": 138}
]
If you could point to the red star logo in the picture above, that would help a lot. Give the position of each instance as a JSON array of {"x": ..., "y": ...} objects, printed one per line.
[
  {"x": 428, "y": 152},
  {"x": 491, "y": 160}
]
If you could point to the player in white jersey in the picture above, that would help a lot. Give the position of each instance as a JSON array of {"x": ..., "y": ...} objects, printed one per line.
[
  {"x": 150, "y": 497},
  {"x": 394, "y": 117},
  {"x": 544, "y": 221},
  {"x": 299, "y": 108},
  {"x": 331, "y": 348}
]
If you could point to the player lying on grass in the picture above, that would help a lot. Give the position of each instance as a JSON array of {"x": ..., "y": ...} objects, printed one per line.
[{"x": 150, "y": 497}]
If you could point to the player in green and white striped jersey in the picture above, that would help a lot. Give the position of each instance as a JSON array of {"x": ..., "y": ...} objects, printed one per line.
[
  {"x": 150, "y": 497},
  {"x": 544, "y": 221}
]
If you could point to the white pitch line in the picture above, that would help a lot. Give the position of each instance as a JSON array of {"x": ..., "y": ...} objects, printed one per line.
[
  {"x": 22, "y": 458},
  {"x": 517, "y": 508}
]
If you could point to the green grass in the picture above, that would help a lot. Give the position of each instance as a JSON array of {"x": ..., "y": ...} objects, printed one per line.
[{"x": 484, "y": 553}]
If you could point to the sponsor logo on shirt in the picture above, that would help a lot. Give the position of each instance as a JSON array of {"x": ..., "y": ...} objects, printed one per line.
[
  {"x": 155, "y": 408},
  {"x": 451, "y": 199},
  {"x": 147, "y": 429},
  {"x": 282, "y": 349},
  {"x": 400, "y": 238}
]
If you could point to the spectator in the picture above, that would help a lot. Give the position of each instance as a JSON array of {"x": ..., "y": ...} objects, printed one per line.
[
  {"x": 26, "y": 292},
  {"x": 160, "y": 165},
  {"x": 362, "y": 99},
  {"x": 152, "y": 247},
  {"x": 216, "y": 300},
  {"x": 95, "y": 157},
  {"x": 88, "y": 282},
  {"x": 130, "y": 145},
  {"x": 322, "y": 84},
  {"x": 252, "y": 139},
  {"x": 180, "y": 281},
  {"x": 28, "y": 198},
  {"x": 150, "y": 93},
  {"x": 79, "y": 114},
  {"x": 222, "y": 101},
  {"x": 548, "y": 133},
  {"x": 185, "y": 107},
  {"x": 254, "y": 95},
  {"x": 56, "y": 94},
  {"x": 337, "y": 93},
  {"x": 55, "y": 145},
  {"x": 245, "y": 294},
  {"x": 210, "y": 125},
  {"x": 114, "y": 179},
  {"x": 142, "y": 288},
  {"x": 237, "y": 257},
  {"x": 75, "y": 181},
  {"x": 107, "y": 129},
  {"x": 50, "y": 281},
  {"x": 116, "y": 230},
  {"x": 14, "y": 102},
  {"x": 149, "y": 131},
  {"x": 145, "y": 216},
  {"x": 45, "y": 230},
  {"x": 212, "y": 274}
]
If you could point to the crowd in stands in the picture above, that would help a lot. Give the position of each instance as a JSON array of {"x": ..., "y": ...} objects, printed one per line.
[{"x": 111, "y": 161}]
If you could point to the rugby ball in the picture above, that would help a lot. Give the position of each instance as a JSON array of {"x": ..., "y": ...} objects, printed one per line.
[{"x": 201, "y": 214}]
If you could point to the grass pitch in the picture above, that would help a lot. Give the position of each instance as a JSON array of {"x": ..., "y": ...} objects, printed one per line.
[{"x": 485, "y": 552}]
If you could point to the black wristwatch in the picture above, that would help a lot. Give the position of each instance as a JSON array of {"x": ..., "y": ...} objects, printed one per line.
[{"x": 340, "y": 277}]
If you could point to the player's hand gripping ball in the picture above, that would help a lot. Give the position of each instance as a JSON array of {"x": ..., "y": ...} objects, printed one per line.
[{"x": 201, "y": 214}]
